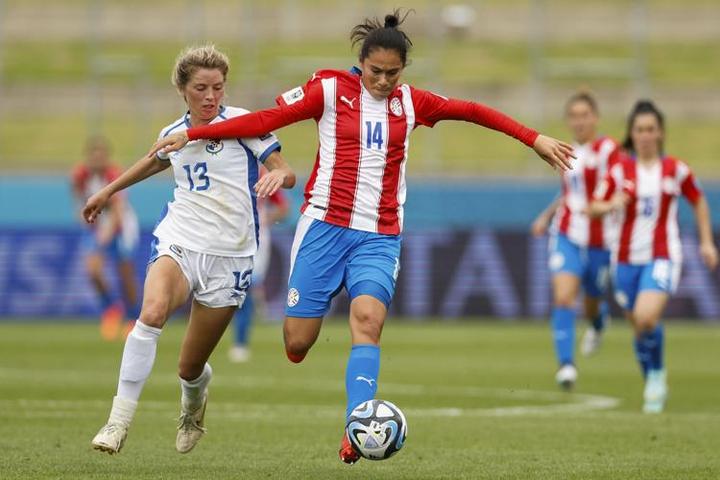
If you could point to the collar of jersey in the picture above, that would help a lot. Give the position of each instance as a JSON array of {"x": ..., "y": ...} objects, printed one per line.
[
  {"x": 355, "y": 70},
  {"x": 220, "y": 114}
]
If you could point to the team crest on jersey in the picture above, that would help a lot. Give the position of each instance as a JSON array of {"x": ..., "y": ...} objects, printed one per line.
[
  {"x": 214, "y": 146},
  {"x": 293, "y": 297},
  {"x": 396, "y": 107}
]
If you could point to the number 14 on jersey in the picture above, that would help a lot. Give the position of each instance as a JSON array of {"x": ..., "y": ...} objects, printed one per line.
[{"x": 374, "y": 135}]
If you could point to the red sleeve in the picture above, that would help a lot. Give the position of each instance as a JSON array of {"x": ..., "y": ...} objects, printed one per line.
[
  {"x": 295, "y": 105},
  {"x": 77, "y": 179},
  {"x": 431, "y": 108},
  {"x": 690, "y": 188}
]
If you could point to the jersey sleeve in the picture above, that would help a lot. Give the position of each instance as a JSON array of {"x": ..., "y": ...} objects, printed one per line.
[
  {"x": 77, "y": 179},
  {"x": 300, "y": 103},
  {"x": 608, "y": 186},
  {"x": 431, "y": 108},
  {"x": 162, "y": 155},
  {"x": 688, "y": 184}
]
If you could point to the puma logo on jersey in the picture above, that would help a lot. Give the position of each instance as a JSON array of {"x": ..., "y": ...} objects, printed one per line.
[
  {"x": 368, "y": 380},
  {"x": 349, "y": 102}
]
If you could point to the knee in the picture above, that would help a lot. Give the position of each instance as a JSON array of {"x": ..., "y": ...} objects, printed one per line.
[
  {"x": 644, "y": 322},
  {"x": 296, "y": 344},
  {"x": 564, "y": 300},
  {"x": 368, "y": 324},
  {"x": 154, "y": 313},
  {"x": 93, "y": 266}
]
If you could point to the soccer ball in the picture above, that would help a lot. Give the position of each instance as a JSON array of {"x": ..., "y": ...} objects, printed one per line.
[{"x": 376, "y": 429}]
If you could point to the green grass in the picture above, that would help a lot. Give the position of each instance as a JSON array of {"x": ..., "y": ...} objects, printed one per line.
[{"x": 271, "y": 419}]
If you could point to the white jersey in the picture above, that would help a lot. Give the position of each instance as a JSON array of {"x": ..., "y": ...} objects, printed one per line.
[{"x": 214, "y": 210}]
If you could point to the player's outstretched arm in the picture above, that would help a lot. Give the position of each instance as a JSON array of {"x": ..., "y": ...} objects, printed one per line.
[
  {"x": 708, "y": 251},
  {"x": 279, "y": 175},
  {"x": 541, "y": 224},
  {"x": 617, "y": 202},
  {"x": 142, "y": 169}
]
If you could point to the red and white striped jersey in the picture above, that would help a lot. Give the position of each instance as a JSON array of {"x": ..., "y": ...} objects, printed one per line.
[
  {"x": 593, "y": 161},
  {"x": 87, "y": 182},
  {"x": 648, "y": 225},
  {"x": 358, "y": 180}
]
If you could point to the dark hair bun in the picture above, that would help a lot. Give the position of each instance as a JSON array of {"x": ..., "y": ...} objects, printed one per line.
[{"x": 391, "y": 21}]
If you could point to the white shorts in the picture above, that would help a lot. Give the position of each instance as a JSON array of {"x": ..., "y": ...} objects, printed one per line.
[{"x": 214, "y": 280}]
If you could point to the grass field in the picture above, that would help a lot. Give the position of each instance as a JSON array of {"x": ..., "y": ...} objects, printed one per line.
[{"x": 479, "y": 399}]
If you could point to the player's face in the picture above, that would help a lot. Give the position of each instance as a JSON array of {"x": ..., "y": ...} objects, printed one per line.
[
  {"x": 204, "y": 93},
  {"x": 381, "y": 70},
  {"x": 98, "y": 157},
  {"x": 582, "y": 121},
  {"x": 646, "y": 135}
]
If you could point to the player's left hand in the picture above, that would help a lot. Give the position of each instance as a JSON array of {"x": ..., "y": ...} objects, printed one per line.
[
  {"x": 270, "y": 182},
  {"x": 556, "y": 153},
  {"x": 171, "y": 143},
  {"x": 709, "y": 254}
]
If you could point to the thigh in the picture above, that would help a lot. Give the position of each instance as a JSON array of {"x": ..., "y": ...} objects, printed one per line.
[
  {"x": 373, "y": 267},
  {"x": 166, "y": 289},
  {"x": 318, "y": 258},
  {"x": 204, "y": 331},
  {"x": 649, "y": 307}
]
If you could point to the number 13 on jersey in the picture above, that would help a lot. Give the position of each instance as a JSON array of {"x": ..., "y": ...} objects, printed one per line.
[{"x": 374, "y": 135}]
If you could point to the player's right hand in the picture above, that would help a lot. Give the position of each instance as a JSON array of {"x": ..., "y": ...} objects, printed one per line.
[
  {"x": 94, "y": 206},
  {"x": 171, "y": 143}
]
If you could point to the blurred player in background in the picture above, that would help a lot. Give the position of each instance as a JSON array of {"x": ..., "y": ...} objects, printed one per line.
[
  {"x": 644, "y": 189},
  {"x": 115, "y": 237},
  {"x": 349, "y": 233},
  {"x": 579, "y": 246},
  {"x": 272, "y": 209},
  {"x": 204, "y": 245}
]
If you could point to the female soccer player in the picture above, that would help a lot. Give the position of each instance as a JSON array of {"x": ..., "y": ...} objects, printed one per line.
[
  {"x": 579, "y": 246},
  {"x": 115, "y": 237},
  {"x": 349, "y": 233},
  {"x": 644, "y": 190},
  {"x": 204, "y": 244}
]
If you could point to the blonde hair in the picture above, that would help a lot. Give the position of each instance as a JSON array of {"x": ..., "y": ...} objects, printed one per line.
[{"x": 194, "y": 58}]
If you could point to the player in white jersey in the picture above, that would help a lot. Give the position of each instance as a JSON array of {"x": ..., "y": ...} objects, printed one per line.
[
  {"x": 644, "y": 189},
  {"x": 204, "y": 245},
  {"x": 579, "y": 246}
]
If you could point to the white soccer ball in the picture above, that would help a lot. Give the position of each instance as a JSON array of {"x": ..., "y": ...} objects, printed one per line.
[{"x": 377, "y": 429}]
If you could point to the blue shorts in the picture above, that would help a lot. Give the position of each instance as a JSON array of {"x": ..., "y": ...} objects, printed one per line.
[
  {"x": 119, "y": 248},
  {"x": 591, "y": 265},
  {"x": 325, "y": 258},
  {"x": 629, "y": 280}
]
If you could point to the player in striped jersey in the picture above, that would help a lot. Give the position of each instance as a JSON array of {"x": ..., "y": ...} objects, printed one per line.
[
  {"x": 644, "y": 190},
  {"x": 579, "y": 245},
  {"x": 204, "y": 245},
  {"x": 115, "y": 236},
  {"x": 349, "y": 233}
]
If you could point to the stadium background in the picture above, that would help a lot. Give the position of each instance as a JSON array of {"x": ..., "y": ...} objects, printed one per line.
[{"x": 74, "y": 68}]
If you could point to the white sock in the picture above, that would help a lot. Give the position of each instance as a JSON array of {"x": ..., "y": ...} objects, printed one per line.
[
  {"x": 137, "y": 360},
  {"x": 122, "y": 412},
  {"x": 193, "y": 391}
]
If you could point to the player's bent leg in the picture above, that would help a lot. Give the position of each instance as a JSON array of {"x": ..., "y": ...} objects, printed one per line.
[
  {"x": 651, "y": 336},
  {"x": 204, "y": 331},
  {"x": 165, "y": 290},
  {"x": 299, "y": 335},
  {"x": 597, "y": 311}
]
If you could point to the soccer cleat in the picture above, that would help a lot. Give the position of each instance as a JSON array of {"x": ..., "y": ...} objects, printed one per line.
[
  {"x": 239, "y": 354},
  {"x": 566, "y": 376},
  {"x": 110, "y": 322},
  {"x": 591, "y": 341},
  {"x": 110, "y": 438},
  {"x": 347, "y": 452},
  {"x": 191, "y": 428},
  {"x": 656, "y": 391}
]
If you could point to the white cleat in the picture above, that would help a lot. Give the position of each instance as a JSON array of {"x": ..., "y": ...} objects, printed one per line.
[
  {"x": 239, "y": 354},
  {"x": 656, "y": 391},
  {"x": 110, "y": 438},
  {"x": 566, "y": 376},
  {"x": 190, "y": 428},
  {"x": 591, "y": 341}
]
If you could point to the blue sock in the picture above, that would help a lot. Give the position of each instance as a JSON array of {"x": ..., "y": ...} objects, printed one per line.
[
  {"x": 361, "y": 375},
  {"x": 653, "y": 341},
  {"x": 642, "y": 355},
  {"x": 243, "y": 319},
  {"x": 598, "y": 322},
  {"x": 563, "y": 327}
]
